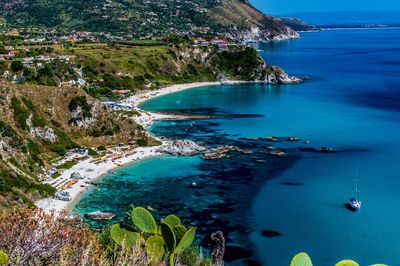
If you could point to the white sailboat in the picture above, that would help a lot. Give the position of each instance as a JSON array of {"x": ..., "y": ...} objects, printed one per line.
[{"x": 355, "y": 203}]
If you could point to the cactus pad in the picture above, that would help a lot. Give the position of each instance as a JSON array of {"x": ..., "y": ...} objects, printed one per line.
[
  {"x": 172, "y": 220},
  {"x": 3, "y": 257},
  {"x": 118, "y": 234},
  {"x": 301, "y": 259},
  {"x": 169, "y": 236},
  {"x": 143, "y": 220},
  {"x": 347, "y": 263},
  {"x": 155, "y": 249},
  {"x": 186, "y": 241}
]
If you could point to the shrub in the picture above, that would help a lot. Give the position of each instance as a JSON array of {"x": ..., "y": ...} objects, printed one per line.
[
  {"x": 92, "y": 152},
  {"x": 32, "y": 237},
  {"x": 101, "y": 148},
  {"x": 21, "y": 114},
  {"x": 17, "y": 66},
  {"x": 142, "y": 142}
]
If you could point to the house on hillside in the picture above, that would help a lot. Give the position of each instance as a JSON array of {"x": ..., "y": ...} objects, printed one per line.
[
  {"x": 220, "y": 43},
  {"x": 122, "y": 93},
  {"x": 200, "y": 42}
]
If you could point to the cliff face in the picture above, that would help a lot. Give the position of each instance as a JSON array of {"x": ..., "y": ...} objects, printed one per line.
[
  {"x": 242, "y": 21},
  {"x": 235, "y": 18}
]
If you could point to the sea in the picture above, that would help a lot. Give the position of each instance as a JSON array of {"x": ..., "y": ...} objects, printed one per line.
[{"x": 269, "y": 207}]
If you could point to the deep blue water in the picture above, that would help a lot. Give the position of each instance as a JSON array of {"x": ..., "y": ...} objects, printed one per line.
[{"x": 351, "y": 103}]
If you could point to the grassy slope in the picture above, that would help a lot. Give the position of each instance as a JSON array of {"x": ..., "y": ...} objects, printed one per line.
[{"x": 160, "y": 64}]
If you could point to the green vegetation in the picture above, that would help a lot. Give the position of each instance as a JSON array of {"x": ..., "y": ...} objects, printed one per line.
[
  {"x": 142, "y": 142},
  {"x": 21, "y": 114},
  {"x": 302, "y": 259},
  {"x": 163, "y": 242},
  {"x": 20, "y": 186},
  {"x": 23, "y": 111},
  {"x": 198, "y": 17},
  {"x": 62, "y": 144},
  {"x": 70, "y": 242},
  {"x": 141, "y": 43},
  {"x": 2, "y": 49},
  {"x": 76, "y": 103},
  {"x": 7, "y": 131},
  {"x": 3, "y": 257},
  {"x": 239, "y": 63},
  {"x": 109, "y": 68},
  {"x": 67, "y": 165},
  {"x": 34, "y": 130},
  {"x": 92, "y": 152},
  {"x": 17, "y": 66}
]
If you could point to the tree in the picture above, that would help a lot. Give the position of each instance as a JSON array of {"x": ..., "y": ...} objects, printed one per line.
[
  {"x": 2, "y": 49},
  {"x": 17, "y": 66}
]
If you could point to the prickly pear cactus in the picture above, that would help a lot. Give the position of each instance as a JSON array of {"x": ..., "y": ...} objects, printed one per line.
[
  {"x": 119, "y": 234},
  {"x": 155, "y": 249},
  {"x": 3, "y": 257},
  {"x": 143, "y": 220},
  {"x": 186, "y": 241},
  {"x": 168, "y": 236},
  {"x": 179, "y": 231},
  {"x": 172, "y": 220},
  {"x": 347, "y": 263},
  {"x": 301, "y": 259}
]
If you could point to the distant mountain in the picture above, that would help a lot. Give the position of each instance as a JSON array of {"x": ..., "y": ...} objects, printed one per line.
[
  {"x": 350, "y": 18},
  {"x": 299, "y": 25},
  {"x": 144, "y": 18}
]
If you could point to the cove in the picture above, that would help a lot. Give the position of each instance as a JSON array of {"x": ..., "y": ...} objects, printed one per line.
[{"x": 350, "y": 104}]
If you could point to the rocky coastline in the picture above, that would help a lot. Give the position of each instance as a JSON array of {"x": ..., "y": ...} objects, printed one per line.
[{"x": 181, "y": 148}]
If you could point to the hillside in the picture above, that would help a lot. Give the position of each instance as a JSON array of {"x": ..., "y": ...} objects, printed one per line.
[
  {"x": 48, "y": 104},
  {"x": 142, "y": 18},
  {"x": 299, "y": 25},
  {"x": 39, "y": 124},
  {"x": 103, "y": 70}
]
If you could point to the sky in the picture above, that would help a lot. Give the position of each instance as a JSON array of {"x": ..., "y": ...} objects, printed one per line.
[{"x": 276, "y": 7}]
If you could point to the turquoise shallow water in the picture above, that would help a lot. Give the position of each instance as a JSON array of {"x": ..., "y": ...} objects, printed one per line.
[{"x": 351, "y": 103}]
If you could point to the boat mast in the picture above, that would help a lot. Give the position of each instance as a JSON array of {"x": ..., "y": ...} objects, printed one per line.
[{"x": 357, "y": 191}]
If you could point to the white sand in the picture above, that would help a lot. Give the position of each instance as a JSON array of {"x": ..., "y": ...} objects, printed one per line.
[
  {"x": 92, "y": 171},
  {"x": 147, "y": 118}
]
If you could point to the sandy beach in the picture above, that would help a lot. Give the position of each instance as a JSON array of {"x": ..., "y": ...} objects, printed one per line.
[{"x": 90, "y": 170}]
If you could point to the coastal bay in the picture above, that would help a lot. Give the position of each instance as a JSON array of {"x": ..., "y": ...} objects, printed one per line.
[{"x": 349, "y": 114}]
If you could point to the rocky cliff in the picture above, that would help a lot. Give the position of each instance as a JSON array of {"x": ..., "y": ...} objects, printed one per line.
[{"x": 38, "y": 124}]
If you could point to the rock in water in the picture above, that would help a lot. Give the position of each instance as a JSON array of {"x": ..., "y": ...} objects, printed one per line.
[
  {"x": 276, "y": 75},
  {"x": 181, "y": 148},
  {"x": 270, "y": 233},
  {"x": 100, "y": 216}
]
